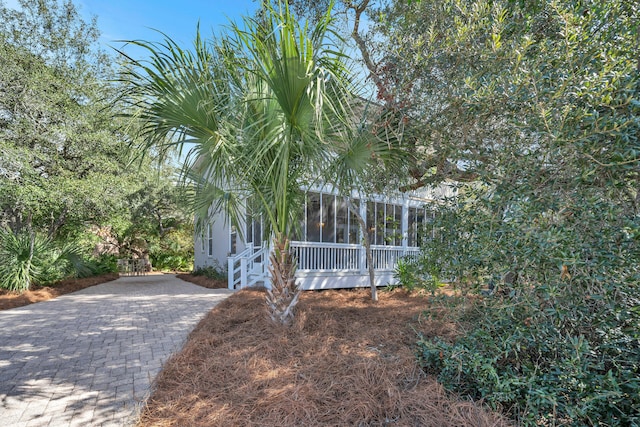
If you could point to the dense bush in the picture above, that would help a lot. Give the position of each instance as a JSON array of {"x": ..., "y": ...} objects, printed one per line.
[
  {"x": 556, "y": 339},
  {"x": 103, "y": 264},
  {"x": 30, "y": 258},
  {"x": 416, "y": 275},
  {"x": 212, "y": 272},
  {"x": 23, "y": 258},
  {"x": 544, "y": 236},
  {"x": 172, "y": 261},
  {"x": 531, "y": 362}
]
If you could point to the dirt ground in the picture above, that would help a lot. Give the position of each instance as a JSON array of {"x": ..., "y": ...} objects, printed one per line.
[
  {"x": 345, "y": 362},
  {"x": 43, "y": 293}
]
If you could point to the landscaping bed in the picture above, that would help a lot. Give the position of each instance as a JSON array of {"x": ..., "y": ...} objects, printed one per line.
[
  {"x": 43, "y": 293},
  {"x": 204, "y": 281},
  {"x": 345, "y": 361}
]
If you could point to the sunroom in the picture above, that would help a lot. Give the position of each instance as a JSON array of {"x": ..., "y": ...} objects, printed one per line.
[{"x": 329, "y": 245}]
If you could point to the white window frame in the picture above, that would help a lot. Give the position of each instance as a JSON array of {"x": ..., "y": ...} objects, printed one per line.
[{"x": 209, "y": 240}]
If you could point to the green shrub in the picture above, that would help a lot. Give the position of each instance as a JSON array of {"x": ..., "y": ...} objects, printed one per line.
[
  {"x": 415, "y": 275},
  {"x": 212, "y": 272},
  {"x": 519, "y": 358},
  {"x": 103, "y": 264},
  {"x": 23, "y": 259},
  {"x": 30, "y": 258},
  {"x": 172, "y": 261},
  {"x": 557, "y": 340}
]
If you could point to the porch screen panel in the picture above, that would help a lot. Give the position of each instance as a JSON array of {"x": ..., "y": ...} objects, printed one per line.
[
  {"x": 381, "y": 223},
  {"x": 342, "y": 221},
  {"x": 313, "y": 217},
  {"x": 412, "y": 231},
  {"x": 300, "y": 231},
  {"x": 420, "y": 226},
  {"x": 233, "y": 240},
  {"x": 328, "y": 223},
  {"x": 371, "y": 222},
  {"x": 429, "y": 232},
  {"x": 257, "y": 232},
  {"x": 354, "y": 225},
  {"x": 393, "y": 221},
  {"x": 420, "y": 219},
  {"x": 249, "y": 228}
]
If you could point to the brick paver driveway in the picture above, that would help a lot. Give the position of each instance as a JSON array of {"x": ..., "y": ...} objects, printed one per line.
[{"x": 88, "y": 358}]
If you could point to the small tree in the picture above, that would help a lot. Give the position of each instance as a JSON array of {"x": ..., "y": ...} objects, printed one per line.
[{"x": 267, "y": 107}]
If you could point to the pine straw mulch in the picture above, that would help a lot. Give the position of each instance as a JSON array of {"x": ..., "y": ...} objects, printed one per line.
[
  {"x": 203, "y": 281},
  {"x": 43, "y": 293},
  {"x": 345, "y": 361}
]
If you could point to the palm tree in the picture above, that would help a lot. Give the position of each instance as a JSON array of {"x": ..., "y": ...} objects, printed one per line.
[{"x": 266, "y": 107}]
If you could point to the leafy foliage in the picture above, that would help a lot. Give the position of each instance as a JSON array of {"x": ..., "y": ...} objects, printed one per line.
[
  {"x": 60, "y": 151},
  {"x": 211, "y": 271},
  {"x": 540, "y": 102},
  {"x": 64, "y": 157},
  {"x": 21, "y": 259},
  {"x": 416, "y": 275},
  {"x": 28, "y": 258}
]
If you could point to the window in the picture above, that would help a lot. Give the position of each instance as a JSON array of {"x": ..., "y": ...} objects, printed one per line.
[
  {"x": 233, "y": 240},
  {"x": 210, "y": 240}
]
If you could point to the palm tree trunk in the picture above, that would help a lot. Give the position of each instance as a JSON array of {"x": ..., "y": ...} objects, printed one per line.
[{"x": 284, "y": 293}]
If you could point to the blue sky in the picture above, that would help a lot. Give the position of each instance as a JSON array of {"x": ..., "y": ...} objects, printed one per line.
[{"x": 133, "y": 19}]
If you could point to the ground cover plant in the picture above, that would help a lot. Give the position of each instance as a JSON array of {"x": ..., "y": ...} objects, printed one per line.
[{"x": 344, "y": 361}]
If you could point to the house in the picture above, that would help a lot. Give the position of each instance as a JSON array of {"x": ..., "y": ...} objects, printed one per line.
[{"x": 329, "y": 246}]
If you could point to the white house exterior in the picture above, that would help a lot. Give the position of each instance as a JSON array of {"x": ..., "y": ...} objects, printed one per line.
[{"x": 329, "y": 246}]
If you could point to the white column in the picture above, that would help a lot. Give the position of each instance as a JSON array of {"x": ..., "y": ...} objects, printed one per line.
[
  {"x": 230, "y": 268},
  {"x": 405, "y": 225},
  {"x": 363, "y": 251}
]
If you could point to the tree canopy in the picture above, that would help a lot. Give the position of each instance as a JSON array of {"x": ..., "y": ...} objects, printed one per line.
[{"x": 64, "y": 143}]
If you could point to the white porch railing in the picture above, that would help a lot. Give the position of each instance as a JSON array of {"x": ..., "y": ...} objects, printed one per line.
[
  {"x": 386, "y": 257},
  {"x": 251, "y": 266},
  {"x": 247, "y": 268},
  {"x": 317, "y": 256}
]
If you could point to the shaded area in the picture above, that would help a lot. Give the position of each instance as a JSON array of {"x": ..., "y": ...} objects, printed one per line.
[
  {"x": 44, "y": 293},
  {"x": 345, "y": 361}
]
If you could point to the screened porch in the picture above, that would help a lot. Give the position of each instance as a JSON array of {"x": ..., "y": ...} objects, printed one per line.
[{"x": 328, "y": 242}]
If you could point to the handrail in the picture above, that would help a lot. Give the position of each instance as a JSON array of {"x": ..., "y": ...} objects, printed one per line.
[
  {"x": 323, "y": 244},
  {"x": 242, "y": 270}
]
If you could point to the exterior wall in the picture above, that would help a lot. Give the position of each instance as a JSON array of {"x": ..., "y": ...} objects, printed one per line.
[
  {"x": 329, "y": 280},
  {"x": 221, "y": 245}
]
